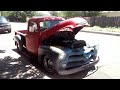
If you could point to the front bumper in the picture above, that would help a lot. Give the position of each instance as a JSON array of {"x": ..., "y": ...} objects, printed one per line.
[
  {"x": 75, "y": 70},
  {"x": 72, "y": 61},
  {"x": 67, "y": 61}
]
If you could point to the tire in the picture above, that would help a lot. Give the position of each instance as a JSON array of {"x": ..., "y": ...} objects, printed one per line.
[
  {"x": 48, "y": 63},
  {"x": 40, "y": 59},
  {"x": 19, "y": 47},
  {"x": 19, "y": 42},
  {"x": 9, "y": 31}
]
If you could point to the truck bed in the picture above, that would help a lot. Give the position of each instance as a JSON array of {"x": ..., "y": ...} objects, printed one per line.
[{"x": 21, "y": 32}]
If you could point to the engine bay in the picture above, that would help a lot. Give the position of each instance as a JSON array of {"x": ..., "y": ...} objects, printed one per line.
[{"x": 65, "y": 39}]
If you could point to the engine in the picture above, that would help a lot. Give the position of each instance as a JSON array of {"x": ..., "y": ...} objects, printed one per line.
[{"x": 64, "y": 38}]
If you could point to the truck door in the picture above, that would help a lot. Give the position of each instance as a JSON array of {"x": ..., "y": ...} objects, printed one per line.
[{"x": 32, "y": 38}]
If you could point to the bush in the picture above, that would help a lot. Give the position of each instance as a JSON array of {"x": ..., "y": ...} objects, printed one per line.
[{"x": 18, "y": 16}]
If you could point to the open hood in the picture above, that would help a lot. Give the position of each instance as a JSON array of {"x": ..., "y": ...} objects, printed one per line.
[
  {"x": 80, "y": 23},
  {"x": 75, "y": 24}
]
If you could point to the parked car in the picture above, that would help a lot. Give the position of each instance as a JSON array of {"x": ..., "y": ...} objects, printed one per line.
[{"x": 4, "y": 25}]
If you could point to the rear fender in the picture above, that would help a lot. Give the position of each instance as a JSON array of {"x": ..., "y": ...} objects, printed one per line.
[{"x": 18, "y": 40}]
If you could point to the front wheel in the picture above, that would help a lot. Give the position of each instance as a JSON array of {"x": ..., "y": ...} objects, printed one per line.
[{"x": 48, "y": 63}]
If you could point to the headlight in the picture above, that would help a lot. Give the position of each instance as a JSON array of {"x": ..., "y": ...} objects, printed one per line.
[
  {"x": 62, "y": 56},
  {"x": 96, "y": 47}
]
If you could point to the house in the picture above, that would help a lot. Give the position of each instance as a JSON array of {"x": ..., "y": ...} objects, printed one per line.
[{"x": 110, "y": 13}]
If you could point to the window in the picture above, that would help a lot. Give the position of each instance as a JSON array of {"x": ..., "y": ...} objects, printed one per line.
[
  {"x": 33, "y": 27},
  {"x": 3, "y": 19},
  {"x": 47, "y": 24}
]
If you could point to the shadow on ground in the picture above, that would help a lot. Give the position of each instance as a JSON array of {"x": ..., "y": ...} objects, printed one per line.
[
  {"x": 2, "y": 51},
  {"x": 11, "y": 68},
  {"x": 79, "y": 75}
]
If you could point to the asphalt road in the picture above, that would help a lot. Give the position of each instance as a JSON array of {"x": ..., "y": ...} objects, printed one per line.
[{"x": 14, "y": 65}]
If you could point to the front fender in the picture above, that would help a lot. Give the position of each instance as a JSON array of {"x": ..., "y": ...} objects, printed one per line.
[{"x": 46, "y": 50}]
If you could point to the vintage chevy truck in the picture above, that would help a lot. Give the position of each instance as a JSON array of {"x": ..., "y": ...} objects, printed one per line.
[{"x": 52, "y": 40}]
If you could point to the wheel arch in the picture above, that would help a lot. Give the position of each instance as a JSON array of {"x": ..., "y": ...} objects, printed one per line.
[
  {"x": 45, "y": 50},
  {"x": 18, "y": 40}
]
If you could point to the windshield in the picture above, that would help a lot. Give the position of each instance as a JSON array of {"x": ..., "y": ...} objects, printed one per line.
[
  {"x": 3, "y": 20},
  {"x": 52, "y": 23},
  {"x": 47, "y": 24}
]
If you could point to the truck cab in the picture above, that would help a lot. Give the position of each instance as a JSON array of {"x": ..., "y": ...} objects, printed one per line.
[
  {"x": 36, "y": 27},
  {"x": 52, "y": 40}
]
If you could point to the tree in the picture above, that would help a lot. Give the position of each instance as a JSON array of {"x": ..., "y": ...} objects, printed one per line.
[
  {"x": 18, "y": 15},
  {"x": 66, "y": 14},
  {"x": 91, "y": 13},
  {"x": 21, "y": 15},
  {"x": 30, "y": 13},
  {"x": 5, "y": 13},
  {"x": 54, "y": 13}
]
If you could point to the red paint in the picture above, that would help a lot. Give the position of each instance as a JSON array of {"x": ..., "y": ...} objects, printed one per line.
[{"x": 34, "y": 39}]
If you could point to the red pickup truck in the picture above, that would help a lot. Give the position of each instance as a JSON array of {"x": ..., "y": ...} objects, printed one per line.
[{"x": 52, "y": 40}]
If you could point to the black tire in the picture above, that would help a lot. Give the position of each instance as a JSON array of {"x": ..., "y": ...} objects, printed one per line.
[
  {"x": 48, "y": 63},
  {"x": 19, "y": 47},
  {"x": 40, "y": 59},
  {"x": 9, "y": 31},
  {"x": 19, "y": 42}
]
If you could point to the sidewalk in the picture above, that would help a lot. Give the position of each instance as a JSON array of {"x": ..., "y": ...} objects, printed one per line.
[{"x": 102, "y": 32}]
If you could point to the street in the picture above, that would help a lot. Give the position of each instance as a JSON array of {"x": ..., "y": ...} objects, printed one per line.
[
  {"x": 14, "y": 65},
  {"x": 109, "y": 50}
]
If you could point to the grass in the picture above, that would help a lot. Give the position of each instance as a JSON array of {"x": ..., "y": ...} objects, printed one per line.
[{"x": 106, "y": 29}]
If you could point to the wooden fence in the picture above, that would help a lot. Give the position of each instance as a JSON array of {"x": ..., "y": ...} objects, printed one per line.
[{"x": 104, "y": 21}]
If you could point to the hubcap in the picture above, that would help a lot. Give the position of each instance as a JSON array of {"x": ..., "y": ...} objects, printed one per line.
[{"x": 48, "y": 64}]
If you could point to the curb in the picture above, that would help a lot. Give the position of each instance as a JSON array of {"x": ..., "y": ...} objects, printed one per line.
[{"x": 106, "y": 33}]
